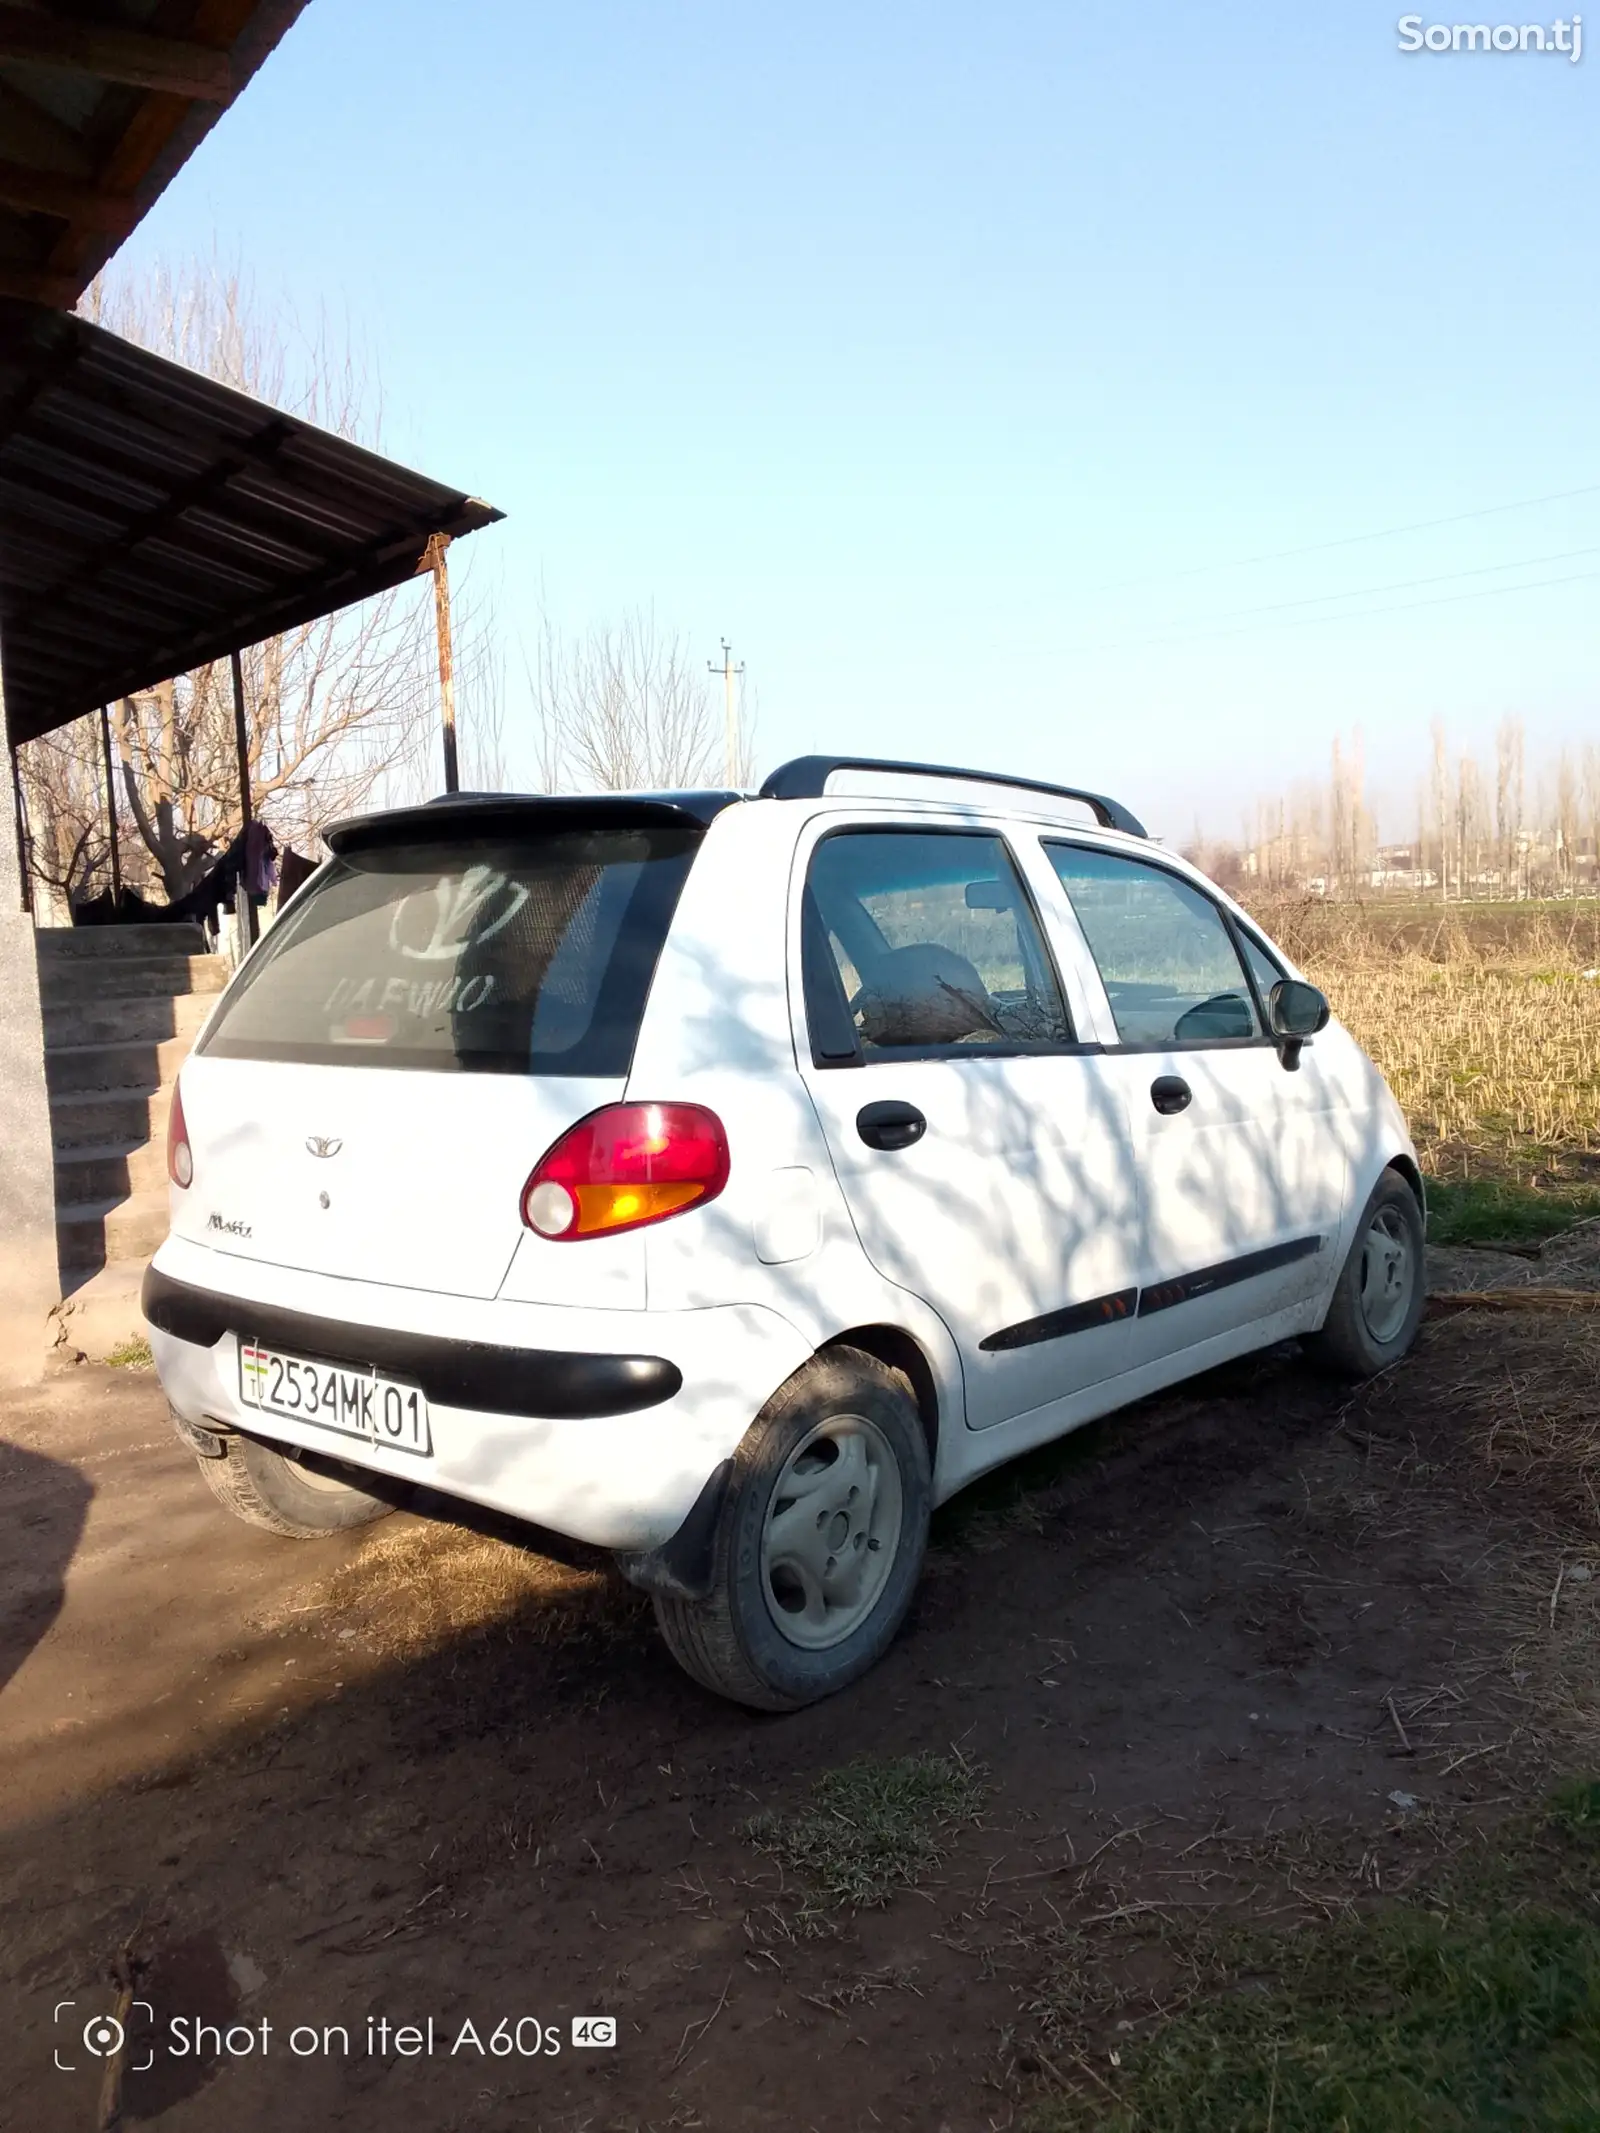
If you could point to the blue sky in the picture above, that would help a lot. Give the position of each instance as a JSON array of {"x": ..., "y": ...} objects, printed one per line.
[{"x": 960, "y": 362}]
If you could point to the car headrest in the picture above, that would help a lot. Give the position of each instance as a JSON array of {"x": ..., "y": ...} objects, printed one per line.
[{"x": 923, "y": 994}]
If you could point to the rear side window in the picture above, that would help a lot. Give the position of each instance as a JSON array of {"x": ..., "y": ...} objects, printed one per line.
[
  {"x": 922, "y": 943},
  {"x": 1164, "y": 952},
  {"x": 489, "y": 956}
]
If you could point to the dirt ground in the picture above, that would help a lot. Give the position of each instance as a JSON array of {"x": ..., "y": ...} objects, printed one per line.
[{"x": 1256, "y": 1648}]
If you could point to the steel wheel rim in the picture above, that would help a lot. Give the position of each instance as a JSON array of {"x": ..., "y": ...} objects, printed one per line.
[
  {"x": 831, "y": 1532},
  {"x": 1388, "y": 1274}
]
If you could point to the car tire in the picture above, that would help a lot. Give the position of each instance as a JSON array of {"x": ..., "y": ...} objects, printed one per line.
[
  {"x": 303, "y": 1497},
  {"x": 1382, "y": 1289},
  {"x": 832, "y": 1475}
]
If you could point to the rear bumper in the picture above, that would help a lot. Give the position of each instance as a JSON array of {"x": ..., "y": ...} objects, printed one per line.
[
  {"x": 603, "y": 1425},
  {"x": 551, "y": 1383}
]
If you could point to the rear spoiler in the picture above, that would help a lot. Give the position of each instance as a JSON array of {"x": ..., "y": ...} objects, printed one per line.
[{"x": 491, "y": 814}]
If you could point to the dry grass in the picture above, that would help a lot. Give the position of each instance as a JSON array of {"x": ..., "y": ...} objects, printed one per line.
[
  {"x": 1483, "y": 1022},
  {"x": 1471, "y": 1997},
  {"x": 867, "y": 1830},
  {"x": 1529, "y": 1400},
  {"x": 1511, "y": 1403},
  {"x": 415, "y": 1586}
]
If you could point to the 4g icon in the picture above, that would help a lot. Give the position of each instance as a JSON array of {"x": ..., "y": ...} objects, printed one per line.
[{"x": 594, "y": 2031}]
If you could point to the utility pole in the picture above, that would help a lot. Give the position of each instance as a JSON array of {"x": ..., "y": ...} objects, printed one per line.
[
  {"x": 245, "y": 910},
  {"x": 434, "y": 560},
  {"x": 730, "y": 732},
  {"x": 111, "y": 810}
]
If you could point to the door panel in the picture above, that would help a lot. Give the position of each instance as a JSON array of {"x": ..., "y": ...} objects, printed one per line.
[
  {"x": 1240, "y": 1192},
  {"x": 1241, "y": 1164},
  {"x": 1014, "y": 1214},
  {"x": 986, "y": 1163}
]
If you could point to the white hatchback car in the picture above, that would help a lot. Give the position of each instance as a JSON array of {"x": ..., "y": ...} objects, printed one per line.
[{"x": 726, "y": 1181}]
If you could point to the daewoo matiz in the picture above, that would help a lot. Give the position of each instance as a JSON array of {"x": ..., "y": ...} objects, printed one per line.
[{"x": 725, "y": 1181}]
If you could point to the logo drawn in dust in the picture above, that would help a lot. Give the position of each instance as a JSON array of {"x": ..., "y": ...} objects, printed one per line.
[
  {"x": 466, "y": 911},
  {"x": 319, "y": 1144}
]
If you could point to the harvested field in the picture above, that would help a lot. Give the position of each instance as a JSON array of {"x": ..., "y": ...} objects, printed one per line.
[{"x": 1486, "y": 1021}]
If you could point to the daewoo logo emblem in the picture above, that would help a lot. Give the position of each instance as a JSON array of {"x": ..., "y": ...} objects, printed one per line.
[
  {"x": 316, "y": 1144},
  {"x": 463, "y": 912}
]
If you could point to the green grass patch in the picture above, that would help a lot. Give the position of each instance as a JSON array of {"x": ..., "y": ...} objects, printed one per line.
[
  {"x": 869, "y": 1829},
  {"x": 1498, "y": 1210},
  {"x": 1474, "y": 2003},
  {"x": 131, "y": 1355}
]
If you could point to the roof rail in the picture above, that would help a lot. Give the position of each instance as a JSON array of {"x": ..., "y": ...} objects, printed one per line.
[{"x": 806, "y": 778}]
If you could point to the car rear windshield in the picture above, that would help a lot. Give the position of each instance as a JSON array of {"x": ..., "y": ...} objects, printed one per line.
[{"x": 520, "y": 955}]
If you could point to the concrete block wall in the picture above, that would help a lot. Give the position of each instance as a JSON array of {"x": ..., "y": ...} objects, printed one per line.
[{"x": 29, "y": 1277}]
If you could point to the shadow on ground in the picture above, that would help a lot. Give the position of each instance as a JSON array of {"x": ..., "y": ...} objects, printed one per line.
[{"x": 480, "y": 1794}]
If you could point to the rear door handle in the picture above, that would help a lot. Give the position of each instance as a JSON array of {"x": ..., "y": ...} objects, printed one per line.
[
  {"x": 1169, "y": 1093},
  {"x": 890, "y": 1125}
]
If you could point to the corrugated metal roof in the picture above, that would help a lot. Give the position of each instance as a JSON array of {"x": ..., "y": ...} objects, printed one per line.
[{"x": 151, "y": 519}]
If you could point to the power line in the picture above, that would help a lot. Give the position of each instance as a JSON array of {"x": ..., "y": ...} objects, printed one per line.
[
  {"x": 1404, "y": 607},
  {"x": 1443, "y": 577},
  {"x": 1353, "y": 540}
]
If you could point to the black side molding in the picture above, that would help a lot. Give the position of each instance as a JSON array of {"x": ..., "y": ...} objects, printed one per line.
[
  {"x": 1072, "y": 1318},
  {"x": 1184, "y": 1288},
  {"x": 1128, "y": 1303},
  {"x": 549, "y": 1384}
]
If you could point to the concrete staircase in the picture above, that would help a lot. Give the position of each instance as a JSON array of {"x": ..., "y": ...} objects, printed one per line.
[{"x": 121, "y": 1007}]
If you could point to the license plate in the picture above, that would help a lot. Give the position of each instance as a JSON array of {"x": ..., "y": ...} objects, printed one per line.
[{"x": 356, "y": 1403}]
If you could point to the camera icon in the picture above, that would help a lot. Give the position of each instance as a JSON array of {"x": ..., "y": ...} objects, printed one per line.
[{"x": 101, "y": 2037}]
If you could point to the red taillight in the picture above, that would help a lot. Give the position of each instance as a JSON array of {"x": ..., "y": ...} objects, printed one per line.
[
  {"x": 624, "y": 1166},
  {"x": 180, "y": 1157}
]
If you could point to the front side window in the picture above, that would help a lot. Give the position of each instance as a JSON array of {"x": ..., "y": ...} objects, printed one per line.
[
  {"x": 1264, "y": 968},
  {"x": 922, "y": 943},
  {"x": 524, "y": 955},
  {"x": 1163, "y": 949}
]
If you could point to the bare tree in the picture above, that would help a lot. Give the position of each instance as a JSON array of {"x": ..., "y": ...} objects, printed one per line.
[
  {"x": 1472, "y": 825},
  {"x": 1508, "y": 802},
  {"x": 1567, "y": 820},
  {"x": 340, "y": 713},
  {"x": 64, "y": 795},
  {"x": 1439, "y": 794},
  {"x": 1349, "y": 843},
  {"x": 629, "y": 707}
]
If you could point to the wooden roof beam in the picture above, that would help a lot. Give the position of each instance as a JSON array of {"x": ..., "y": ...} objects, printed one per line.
[
  {"x": 40, "y": 285},
  {"x": 83, "y": 205},
  {"x": 131, "y": 56},
  {"x": 39, "y": 138}
]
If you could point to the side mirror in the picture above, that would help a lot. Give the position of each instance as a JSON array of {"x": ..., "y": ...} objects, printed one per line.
[{"x": 1295, "y": 1011}]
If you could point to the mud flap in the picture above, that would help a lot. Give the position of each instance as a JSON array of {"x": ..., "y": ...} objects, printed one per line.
[
  {"x": 204, "y": 1443},
  {"x": 682, "y": 1568}
]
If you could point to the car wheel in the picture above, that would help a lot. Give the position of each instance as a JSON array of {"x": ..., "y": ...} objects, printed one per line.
[
  {"x": 820, "y": 1542},
  {"x": 299, "y": 1494},
  {"x": 1377, "y": 1306}
]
